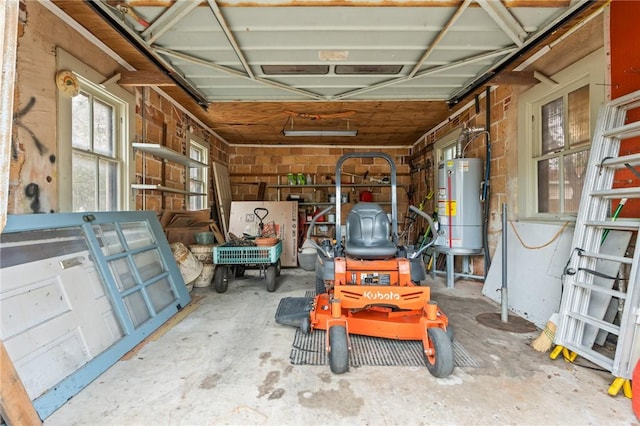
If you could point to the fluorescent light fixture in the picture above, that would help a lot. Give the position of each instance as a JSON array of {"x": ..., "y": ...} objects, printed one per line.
[{"x": 320, "y": 132}]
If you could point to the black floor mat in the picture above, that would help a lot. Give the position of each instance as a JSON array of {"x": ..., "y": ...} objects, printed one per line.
[{"x": 309, "y": 349}]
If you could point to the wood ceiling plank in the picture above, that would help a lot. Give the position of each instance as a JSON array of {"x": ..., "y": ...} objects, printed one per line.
[{"x": 145, "y": 78}]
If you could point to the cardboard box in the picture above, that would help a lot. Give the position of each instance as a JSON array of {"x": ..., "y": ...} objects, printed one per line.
[
  {"x": 181, "y": 225},
  {"x": 283, "y": 214}
]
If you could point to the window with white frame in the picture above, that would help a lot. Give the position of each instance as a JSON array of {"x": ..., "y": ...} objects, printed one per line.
[
  {"x": 96, "y": 162},
  {"x": 95, "y": 166},
  {"x": 555, "y": 125},
  {"x": 562, "y": 150},
  {"x": 198, "y": 176}
]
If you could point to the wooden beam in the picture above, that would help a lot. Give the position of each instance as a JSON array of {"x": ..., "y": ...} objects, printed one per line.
[
  {"x": 515, "y": 78},
  {"x": 145, "y": 78},
  {"x": 15, "y": 405}
]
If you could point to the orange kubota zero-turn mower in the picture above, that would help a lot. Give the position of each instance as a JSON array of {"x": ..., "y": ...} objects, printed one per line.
[{"x": 368, "y": 284}]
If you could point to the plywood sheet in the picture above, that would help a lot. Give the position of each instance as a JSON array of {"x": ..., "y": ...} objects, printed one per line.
[
  {"x": 533, "y": 276},
  {"x": 223, "y": 194}
]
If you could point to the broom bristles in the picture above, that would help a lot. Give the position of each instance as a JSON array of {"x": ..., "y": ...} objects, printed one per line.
[{"x": 544, "y": 341}]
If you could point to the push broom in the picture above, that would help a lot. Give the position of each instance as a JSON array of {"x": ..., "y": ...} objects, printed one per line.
[{"x": 544, "y": 341}]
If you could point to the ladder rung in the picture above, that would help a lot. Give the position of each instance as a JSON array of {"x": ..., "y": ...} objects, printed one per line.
[
  {"x": 618, "y": 162},
  {"x": 593, "y": 356},
  {"x": 602, "y": 325},
  {"x": 624, "y": 132},
  {"x": 633, "y": 192},
  {"x": 620, "y": 224},
  {"x": 603, "y": 256},
  {"x": 599, "y": 289}
]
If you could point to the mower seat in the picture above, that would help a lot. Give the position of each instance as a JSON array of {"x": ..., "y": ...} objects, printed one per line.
[{"x": 367, "y": 233}]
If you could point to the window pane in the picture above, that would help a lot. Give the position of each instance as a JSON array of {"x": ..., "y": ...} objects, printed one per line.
[
  {"x": 84, "y": 183},
  {"x": 575, "y": 167},
  {"x": 196, "y": 154},
  {"x": 80, "y": 121},
  {"x": 578, "y": 117},
  {"x": 552, "y": 126},
  {"x": 196, "y": 202},
  {"x": 108, "y": 188},
  {"x": 548, "y": 186},
  {"x": 103, "y": 128},
  {"x": 197, "y": 186}
]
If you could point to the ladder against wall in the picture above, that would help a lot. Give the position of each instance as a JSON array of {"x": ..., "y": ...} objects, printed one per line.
[{"x": 602, "y": 256}]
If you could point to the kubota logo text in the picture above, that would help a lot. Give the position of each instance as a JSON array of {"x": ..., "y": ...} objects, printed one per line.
[{"x": 380, "y": 295}]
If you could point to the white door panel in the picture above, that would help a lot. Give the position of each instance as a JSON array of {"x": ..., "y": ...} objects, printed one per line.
[{"x": 55, "y": 318}]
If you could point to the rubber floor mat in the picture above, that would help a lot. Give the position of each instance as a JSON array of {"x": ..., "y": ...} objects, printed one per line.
[{"x": 309, "y": 349}]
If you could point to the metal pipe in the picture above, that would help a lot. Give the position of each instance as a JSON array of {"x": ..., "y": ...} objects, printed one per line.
[{"x": 504, "y": 299}]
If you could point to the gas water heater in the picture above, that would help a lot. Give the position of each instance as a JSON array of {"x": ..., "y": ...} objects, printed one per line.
[{"x": 459, "y": 206}]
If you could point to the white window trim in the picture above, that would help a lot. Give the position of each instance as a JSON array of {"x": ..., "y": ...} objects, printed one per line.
[
  {"x": 590, "y": 70},
  {"x": 198, "y": 141},
  {"x": 126, "y": 201},
  {"x": 439, "y": 147}
]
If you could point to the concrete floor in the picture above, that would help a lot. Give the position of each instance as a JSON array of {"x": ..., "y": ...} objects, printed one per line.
[{"x": 228, "y": 363}]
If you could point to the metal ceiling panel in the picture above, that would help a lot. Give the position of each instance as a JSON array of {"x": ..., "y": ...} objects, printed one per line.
[{"x": 203, "y": 47}]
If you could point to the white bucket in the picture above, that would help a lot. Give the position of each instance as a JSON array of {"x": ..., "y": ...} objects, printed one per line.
[
  {"x": 204, "y": 279},
  {"x": 202, "y": 252},
  {"x": 189, "y": 266}
]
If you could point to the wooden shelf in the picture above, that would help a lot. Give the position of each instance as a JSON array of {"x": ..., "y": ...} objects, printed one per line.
[
  {"x": 153, "y": 187},
  {"x": 331, "y": 185},
  {"x": 167, "y": 153}
]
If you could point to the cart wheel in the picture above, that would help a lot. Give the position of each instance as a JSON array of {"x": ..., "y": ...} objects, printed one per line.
[
  {"x": 278, "y": 268},
  {"x": 239, "y": 271},
  {"x": 221, "y": 279},
  {"x": 440, "y": 363},
  {"x": 270, "y": 276},
  {"x": 339, "y": 349}
]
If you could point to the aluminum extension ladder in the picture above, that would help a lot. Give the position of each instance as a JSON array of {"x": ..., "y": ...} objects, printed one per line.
[{"x": 593, "y": 223}]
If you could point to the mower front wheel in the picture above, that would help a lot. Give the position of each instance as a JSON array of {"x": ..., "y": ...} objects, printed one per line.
[
  {"x": 221, "y": 279},
  {"x": 440, "y": 361},
  {"x": 338, "y": 349}
]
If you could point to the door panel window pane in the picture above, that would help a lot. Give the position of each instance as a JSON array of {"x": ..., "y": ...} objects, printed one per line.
[
  {"x": 121, "y": 271},
  {"x": 160, "y": 294},
  {"x": 137, "y": 309},
  {"x": 84, "y": 183},
  {"x": 552, "y": 126}
]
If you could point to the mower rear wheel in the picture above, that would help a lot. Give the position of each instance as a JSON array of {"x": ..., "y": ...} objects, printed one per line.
[
  {"x": 339, "y": 349},
  {"x": 440, "y": 363},
  {"x": 221, "y": 279},
  {"x": 270, "y": 277}
]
